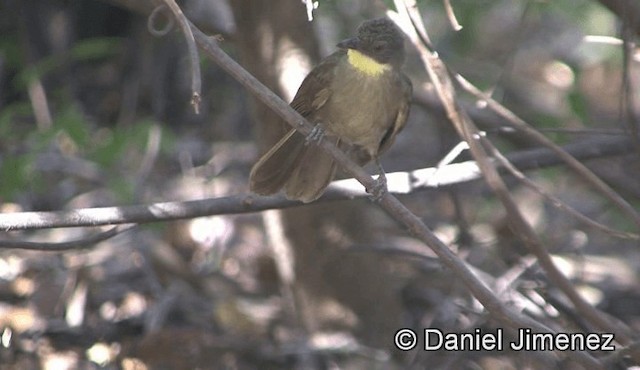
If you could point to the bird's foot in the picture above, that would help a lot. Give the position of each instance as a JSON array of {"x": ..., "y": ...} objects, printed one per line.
[
  {"x": 378, "y": 190},
  {"x": 315, "y": 136}
]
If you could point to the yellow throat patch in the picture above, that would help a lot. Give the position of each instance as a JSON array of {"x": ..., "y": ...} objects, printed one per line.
[{"x": 365, "y": 64}]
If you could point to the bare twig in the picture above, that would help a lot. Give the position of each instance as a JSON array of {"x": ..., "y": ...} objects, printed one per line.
[
  {"x": 63, "y": 246},
  {"x": 155, "y": 212},
  {"x": 154, "y": 138},
  {"x": 509, "y": 120},
  {"x": 439, "y": 76},
  {"x": 554, "y": 200},
  {"x": 571, "y": 162},
  {"x": 451, "y": 15},
  {"x": 40, "y": 105},
  {"x": 196, "y": 80},
  {"x": 397, "y": 182}
]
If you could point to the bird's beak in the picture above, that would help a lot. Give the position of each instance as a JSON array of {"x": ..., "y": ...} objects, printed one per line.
[{"x": 351, "y": 43}]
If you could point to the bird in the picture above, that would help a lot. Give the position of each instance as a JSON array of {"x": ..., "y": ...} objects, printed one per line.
[{"x": 357, "y": 97}]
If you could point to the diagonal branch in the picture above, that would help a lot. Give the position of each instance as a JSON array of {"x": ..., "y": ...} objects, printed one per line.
[
  {"x": 571, "y": 162},
  {"x": 440, "y": 77}
]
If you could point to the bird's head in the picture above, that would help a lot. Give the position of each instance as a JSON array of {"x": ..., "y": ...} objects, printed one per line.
[{"x": 379, "y": 39}]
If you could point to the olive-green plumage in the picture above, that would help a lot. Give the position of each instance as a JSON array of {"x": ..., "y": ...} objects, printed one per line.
[{"x": 358, "y": 95}]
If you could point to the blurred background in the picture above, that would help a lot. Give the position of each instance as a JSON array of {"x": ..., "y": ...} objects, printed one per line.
[{"x": 95, "y": 111}]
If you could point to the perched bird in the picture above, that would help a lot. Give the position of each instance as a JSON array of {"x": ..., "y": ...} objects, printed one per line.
[{"x": 360, "y": 100}]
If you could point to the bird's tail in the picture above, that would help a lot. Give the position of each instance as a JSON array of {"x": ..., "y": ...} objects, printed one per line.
[{"x": 304, "y": 171}]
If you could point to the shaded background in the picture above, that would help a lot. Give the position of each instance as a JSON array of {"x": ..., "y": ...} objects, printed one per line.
[{"x": 94, "y": 111}]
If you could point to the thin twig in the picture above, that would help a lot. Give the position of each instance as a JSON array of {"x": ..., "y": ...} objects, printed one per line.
[
  {"x": 439, "y": 76},
  {"x": 63, "y": 246},
  {"x": 347, "y": 189},
  {"x": 554, "y": 200},
  {"x": 451, "y": 16},
  {"x": 154, "y": 138},
  {"x": 441, "y": 80},
  {"x": 196, "y": 79},
  {"x": 519, "y": 124},
  {"x": 40, "y": 104}
]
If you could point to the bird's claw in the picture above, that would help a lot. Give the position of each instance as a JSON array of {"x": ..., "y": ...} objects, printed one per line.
[
  {"x": 378, "y": 190},
  {"x": 316, "y": 135}
]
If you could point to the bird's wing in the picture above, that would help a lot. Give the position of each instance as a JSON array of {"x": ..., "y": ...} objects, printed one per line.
[
  {"x": 401, "y": 116},
  {"x": 314, "y": 91}
]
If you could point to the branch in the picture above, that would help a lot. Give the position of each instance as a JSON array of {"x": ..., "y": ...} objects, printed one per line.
[
  {"x": 74, "y": 244},
  {"x": 440, "y": 77},
  {"x": 196, "y": 80},
  {"x": 554, "y": 200},
  {"x": 538, "y": 137},
  {"x": 398, "y": 183}
]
